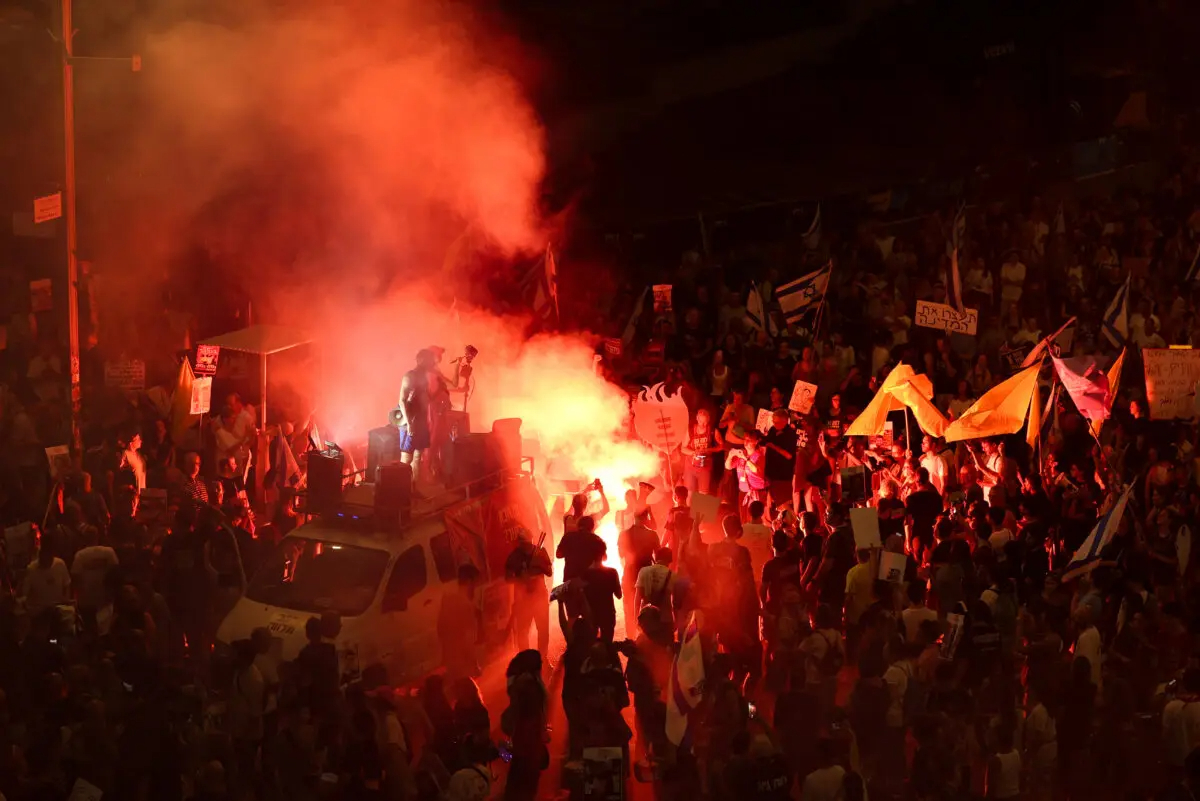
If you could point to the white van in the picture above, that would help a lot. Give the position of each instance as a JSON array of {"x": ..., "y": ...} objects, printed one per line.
[{"x": 387, "y": 586}]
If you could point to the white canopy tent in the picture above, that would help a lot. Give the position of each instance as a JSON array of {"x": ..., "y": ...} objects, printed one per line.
[{"x": 263, "y": 341}]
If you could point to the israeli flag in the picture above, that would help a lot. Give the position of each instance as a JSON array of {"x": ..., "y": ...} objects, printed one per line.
[
  {"x": 756, "y": 313},
  {"x": 801, "y": 296},
  {"x": 685, "y": 688},
  {"x": 1088, "y": 555},
  {"x": 1194, "y": 268},
  {"x": 1115, "y": 324}
]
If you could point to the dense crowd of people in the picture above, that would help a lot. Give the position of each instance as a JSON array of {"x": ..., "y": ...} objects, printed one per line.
[{"x": 957, "y": 658}]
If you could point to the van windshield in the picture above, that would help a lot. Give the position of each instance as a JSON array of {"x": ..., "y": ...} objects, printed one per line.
[{"x": 316, "y": 576}]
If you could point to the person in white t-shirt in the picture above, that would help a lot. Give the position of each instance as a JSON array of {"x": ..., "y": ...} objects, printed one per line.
[
  {"x": 826, "y": 782},
  {"x": 90, "y": 571},
  {"x": 1012, "y": 279},
  {"x": 935, "y": 463},
  {"x": 1088, "y": 644},
  {"x": 917, "y": 612},
  {"x": 1181, "y": 721},
  {"x": 756, "y": 537},
  {"x": 1149, "y": 336},
  {"x": 47, "y": 583}
]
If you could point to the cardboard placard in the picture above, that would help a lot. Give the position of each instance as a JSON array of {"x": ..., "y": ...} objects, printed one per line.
[
  {"x": 946, "y": 318},
  {"x": 763, "y": 422},
  {"x": 201, "y": 395},
  {"x": 864, "y": 522},
  {"x": 41, "y": 295},
  {"x": 888, "y": 437},
  {"x": 59, "y": 457},
  {"x": 804, "y": 395},
  {"x": 152, "y": 505},
  {"x": 662, "y": 297},
  {"x": 952, "y": 637},
  {"x": 891, "y": 566},
  {"x": 1171, "y": 376},
  {"x": 603, "y": 774},
  {"x": 855, "y": 482},
  {"x": 129, "y": 376},
  {"x": 47, "y": 208},
  {"x": 206, "y": 359},
  {"x": 1012, "y": 358}
]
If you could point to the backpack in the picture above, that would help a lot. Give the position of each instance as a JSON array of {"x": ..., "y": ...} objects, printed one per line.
[{"x": 835, "y": 656}]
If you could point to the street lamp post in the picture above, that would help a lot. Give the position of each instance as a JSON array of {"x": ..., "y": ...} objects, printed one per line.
[{"x": 68, "y": 34}]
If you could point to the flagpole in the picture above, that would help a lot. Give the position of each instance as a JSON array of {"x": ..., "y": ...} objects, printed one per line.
[{"x": 821, "y": 306}]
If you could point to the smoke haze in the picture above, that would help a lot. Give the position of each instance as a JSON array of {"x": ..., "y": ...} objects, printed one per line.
[{"x": 323, "y": 159}]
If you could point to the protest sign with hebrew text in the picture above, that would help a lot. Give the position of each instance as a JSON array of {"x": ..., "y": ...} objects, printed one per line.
[
  {"x": 946, "y": 318},
  {"x": 1171, "y": 376}
]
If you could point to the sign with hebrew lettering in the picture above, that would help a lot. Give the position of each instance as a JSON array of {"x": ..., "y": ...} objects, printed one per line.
[
  {"x": 946, "y": 318},
  {"x": 660, "y": 418},
  {"x": 1171, "y": 376}
]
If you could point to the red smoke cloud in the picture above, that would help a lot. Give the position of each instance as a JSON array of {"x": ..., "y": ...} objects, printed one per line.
[{"x": 324, "y": 159}]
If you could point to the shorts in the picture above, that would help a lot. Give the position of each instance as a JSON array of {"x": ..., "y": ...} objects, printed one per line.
[{"x": 413, "y": 441}]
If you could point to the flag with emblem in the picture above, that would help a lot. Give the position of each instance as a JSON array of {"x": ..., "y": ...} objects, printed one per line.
[
  {"x": 756, "y": 313},
  {"x": 1088, "y": 555},
  {"x": 802, "y": 296}
]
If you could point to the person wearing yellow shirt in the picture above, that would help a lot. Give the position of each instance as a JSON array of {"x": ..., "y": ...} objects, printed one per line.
[{"x": 859, "y": 583}]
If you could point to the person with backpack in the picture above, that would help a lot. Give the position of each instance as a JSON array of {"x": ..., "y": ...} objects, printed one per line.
[
  {"x": 656, "y": 587},
  {"x": 826, "y": 654}
]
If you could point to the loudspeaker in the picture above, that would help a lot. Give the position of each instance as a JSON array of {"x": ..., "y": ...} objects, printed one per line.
[
  {"x": 325, "y": 469},
  {"x": 393, "y": 494},
  {"x": 507, "y": 435},
  {"x": 383, "y": 447},
  {"x": 468, "y": 459}
]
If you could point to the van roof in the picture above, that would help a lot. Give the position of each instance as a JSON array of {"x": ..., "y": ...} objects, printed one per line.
[
  {"x": 364, "y": 535},
  {"x": 427, "y": 517}
]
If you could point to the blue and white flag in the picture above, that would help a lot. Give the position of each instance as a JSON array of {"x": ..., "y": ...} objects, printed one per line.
[
  {"x": 630, "y": 330},
  {"x": 803, "y": 295},
  {"x": 756, "y": 313},
  {"x": 812, "y": 237},
  {"x": 1088, "y": 555},
  {"x": 1115, "y": 324},
  {"x": 539, "y": 284},
  {"x": 958, "y": 235},
  {"x": 685, "y": 687},
  {"x": 1194, "y": 268}
]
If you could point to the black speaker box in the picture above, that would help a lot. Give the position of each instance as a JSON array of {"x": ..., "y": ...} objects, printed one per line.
[
  {"x": 325, "y": 469},
  {"x": 469, "y": 459},
  {"x": 393, "y": 494},
  {"x": 383, "y": 447}
]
